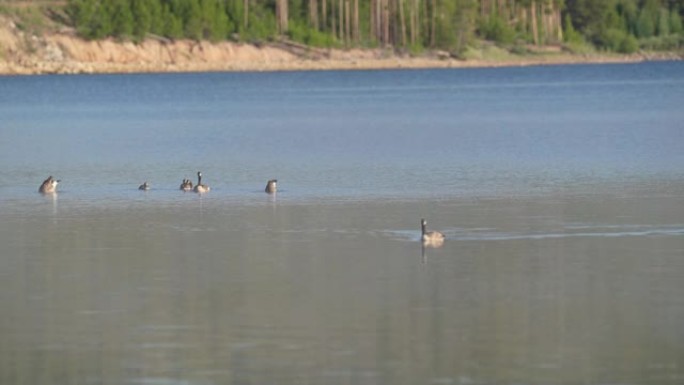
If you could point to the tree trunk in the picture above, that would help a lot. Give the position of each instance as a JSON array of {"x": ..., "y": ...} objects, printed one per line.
[
  {"x": 340, "y": 17},
  {"x": 413, "y": 25},
  {"x": 333, "y": 20},
  {"x": 433, "y": 23},
  {"x": 246, "y": 12},
  {"x": 386, "y": 23},
  {"x": 402, "y": 23},
  {"x": 313, "y": 14},
  {"x": 533, "y": 16},
  {"x": 559, "y": 25},
  {"x": 371, "y": 19},
  {"x": 282, "y": 16},
  {"x": 347, "y": 21},
  {"x": 356, "y": 34},
  {"x": 324, "y": 15},
  {"x": 376, "y": 20}
]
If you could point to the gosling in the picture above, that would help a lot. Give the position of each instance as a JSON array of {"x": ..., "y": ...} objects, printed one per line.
[
  {"x": 145, "y": 186},
  {"x": 430, "y": 238},
  {"x": 271, "y": 186},
  {"x": 201, "y": 188},
  {"x": 186, "y": 185},
  {"x": 49, "y": 185}
]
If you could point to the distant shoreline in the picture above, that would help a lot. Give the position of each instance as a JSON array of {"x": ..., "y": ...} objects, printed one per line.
[
  {"x": 341, "y": 60},
  {"x": 63, "y": 52}
]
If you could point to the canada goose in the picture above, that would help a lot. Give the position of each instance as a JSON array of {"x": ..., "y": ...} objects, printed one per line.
[
  {"x": 49, "y": 185},
  {"x": 271, "y": 186},
  {"x": 145, "y": 186},
  {"x": 199, "y": 187},
  {"x": 430, "y": 238},
  {"x": 186, "y": 185}
]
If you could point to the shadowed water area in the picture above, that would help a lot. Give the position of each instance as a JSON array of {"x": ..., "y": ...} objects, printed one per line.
[{"x": 560, "y": 191}]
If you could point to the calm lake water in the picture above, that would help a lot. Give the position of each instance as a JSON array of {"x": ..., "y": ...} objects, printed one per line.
[{"x": 560, "y": 191}]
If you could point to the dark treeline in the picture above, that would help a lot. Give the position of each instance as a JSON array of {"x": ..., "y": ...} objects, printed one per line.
[{"x": 617, "y": 25}]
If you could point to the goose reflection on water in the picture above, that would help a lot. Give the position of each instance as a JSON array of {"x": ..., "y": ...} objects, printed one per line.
[{"x": 424, "y": 251}]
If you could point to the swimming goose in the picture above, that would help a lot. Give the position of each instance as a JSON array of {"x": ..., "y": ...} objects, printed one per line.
[
  {"x": 201, "y": 188},
  {"x": 271, "y": 186},
  {"x": 145, "y": 186},
  {"x": 186, "y": 185},
  {"x": 430, "y": 238},
  {"x": 49, "y": 185}
]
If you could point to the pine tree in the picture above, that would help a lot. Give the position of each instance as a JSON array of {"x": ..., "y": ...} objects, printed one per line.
[
  {"x": 645, "y": 26},
  {"x": 142, "y": 19},
  {"x": 192, "y": 19},
  {"x": 81, "y": 14},
  {"x": 214, "y": 20},
  {"x": 675, "y": 21},
  {"x": 172, "y": 26},
  {"x": 663, "y": 22},
  {"x": 156, "y": 22}
]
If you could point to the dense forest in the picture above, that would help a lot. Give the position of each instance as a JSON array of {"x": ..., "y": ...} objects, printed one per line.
[{"x": 451, "y": 25}]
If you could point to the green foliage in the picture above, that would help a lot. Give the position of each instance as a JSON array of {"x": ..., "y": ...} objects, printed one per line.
[
  {"x": 235, "y": 11},
  {"x": 171, "y": 24},
  {"x": 451, "y": 25},
  {"x": 626, "y": 25},
  {"x": 101, "y": 25},
  {"x": 194, "y": 19},
  {"x": 29, "y": 19},
  {"x": 142, "y": 16},
  {"x": 300, "y": 32},
  {"x": 619, "y": 41},
  {"x": 628, "y": 11},
  {"x": 663, "y": 22},
  {"x": 629, "y": 44},
  {"x": 496, "y": 29},
  {"x": 191, "y": 13},
  {"x": 588, "y": 15},
  {"x": 663, "y": 43},
  {"x": 571, "y": 35},
  {"x": 156, "y": 21},
  {"x": 675, "y": 22},
  {"x": 416, "y": 49},
  {"x": 261, "y": 25},
  {"x": 122, "y": 19},
  {"x": 454, "y": 24},
  {"x": 645, "y": 26},
  {"x": 215, "y": 22},
  {"x": 80, "y": 12}
]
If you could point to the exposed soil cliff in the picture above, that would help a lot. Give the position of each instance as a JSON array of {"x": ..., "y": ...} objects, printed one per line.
[{"x": 59, "y": 50}]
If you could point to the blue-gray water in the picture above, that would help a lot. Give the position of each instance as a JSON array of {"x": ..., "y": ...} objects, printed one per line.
[{"x": 560, "y": 190}]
